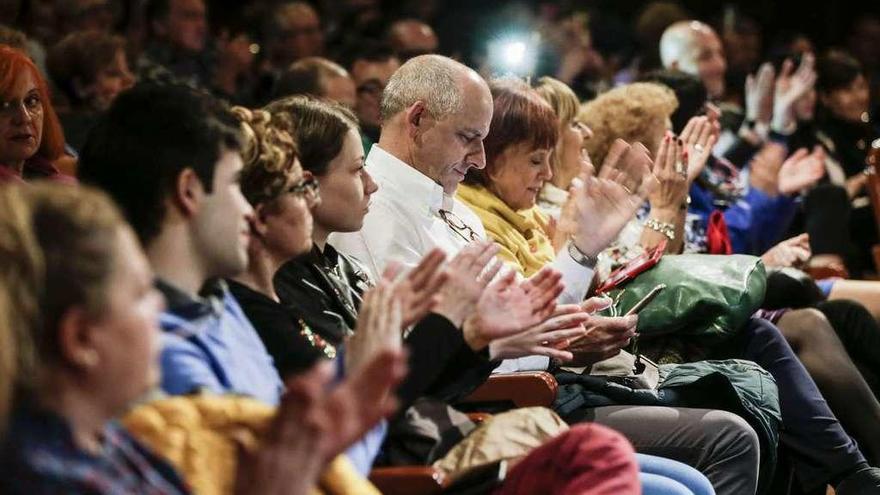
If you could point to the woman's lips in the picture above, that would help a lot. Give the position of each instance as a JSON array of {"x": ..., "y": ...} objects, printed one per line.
[{"x": 22, "y": 137}]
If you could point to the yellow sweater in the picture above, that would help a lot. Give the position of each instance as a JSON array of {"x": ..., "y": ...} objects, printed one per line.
[
  {"x": 202, "y": 436},
  {"x": 522, "y": 235}
]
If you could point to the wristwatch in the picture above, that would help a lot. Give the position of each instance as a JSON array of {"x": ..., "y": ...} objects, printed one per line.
[{"x": 580, "y": 258}]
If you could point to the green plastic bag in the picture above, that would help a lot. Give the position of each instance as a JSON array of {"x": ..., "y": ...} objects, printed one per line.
[{"x": 709, "y": 296}]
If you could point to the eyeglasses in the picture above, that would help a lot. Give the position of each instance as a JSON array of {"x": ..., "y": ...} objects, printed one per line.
[
  {"x": 307, "y": 189},
  {"x": 31, "y": 104},
  {"x": 458, "y": 226},
  {"x": 371, "y": 87}
]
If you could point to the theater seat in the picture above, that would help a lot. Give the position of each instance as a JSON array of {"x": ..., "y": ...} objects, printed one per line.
[
  {"x": 521, "y": 389},
  {"x": 873, "y": 186}
]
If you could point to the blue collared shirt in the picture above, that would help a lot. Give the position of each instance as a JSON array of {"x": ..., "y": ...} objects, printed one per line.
[{"x": 208, "y": 344}]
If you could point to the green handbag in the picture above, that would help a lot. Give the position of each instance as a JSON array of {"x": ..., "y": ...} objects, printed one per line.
[{"x": 709, "y": 296}]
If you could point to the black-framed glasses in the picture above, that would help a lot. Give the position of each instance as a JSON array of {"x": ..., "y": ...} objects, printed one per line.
[
  {"x": 307, "y": 189},
  {"x": 458, "y": 226}
]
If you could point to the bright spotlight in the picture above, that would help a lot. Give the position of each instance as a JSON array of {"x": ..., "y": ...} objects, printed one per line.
[{"x": 513, "y": 54}]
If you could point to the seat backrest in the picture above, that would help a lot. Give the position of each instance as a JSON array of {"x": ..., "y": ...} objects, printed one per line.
[{"x": 873, "y": 171}]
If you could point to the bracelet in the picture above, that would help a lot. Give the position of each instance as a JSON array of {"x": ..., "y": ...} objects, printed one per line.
[
  {"x": 580, "y": 257},
  {"x": 664, "y": 228},
  {"x": 686, "y": 203}
]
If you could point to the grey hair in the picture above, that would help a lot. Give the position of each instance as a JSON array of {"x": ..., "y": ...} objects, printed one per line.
[{"x": 432, "y": 79}]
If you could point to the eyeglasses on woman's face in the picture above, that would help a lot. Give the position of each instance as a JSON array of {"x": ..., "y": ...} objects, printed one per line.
[{"x": 307, "y": 189}]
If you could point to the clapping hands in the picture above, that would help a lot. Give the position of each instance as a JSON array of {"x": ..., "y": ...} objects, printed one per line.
[{"x": 599, "y": 207}]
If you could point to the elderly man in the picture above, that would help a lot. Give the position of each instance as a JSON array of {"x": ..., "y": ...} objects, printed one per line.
[
  {"x": 435, "y": 114},
  {"x": 694, "y": 48}
]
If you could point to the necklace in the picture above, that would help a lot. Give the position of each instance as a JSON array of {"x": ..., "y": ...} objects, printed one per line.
[{"x": 317, "y": 341}]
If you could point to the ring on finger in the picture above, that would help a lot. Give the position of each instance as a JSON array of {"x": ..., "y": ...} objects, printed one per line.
[
  {"x": 698, "y": 148},
  {"x": 681, "y": 169},
  {"x": 628, "y": 190}
]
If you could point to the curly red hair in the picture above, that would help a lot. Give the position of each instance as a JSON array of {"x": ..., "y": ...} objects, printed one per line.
[{"x": 12, "y": 63}]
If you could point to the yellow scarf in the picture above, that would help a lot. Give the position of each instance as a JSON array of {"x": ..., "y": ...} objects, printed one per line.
[{"x": 522, "y": 235}]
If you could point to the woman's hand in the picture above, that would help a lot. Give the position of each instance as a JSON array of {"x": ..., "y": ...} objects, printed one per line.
[
  {"x": 759, "y": 95},
  {"x": 794, "y": 252},
  {"x": 670, "y": 170},
  {"x": 699, "y": 136},
  {"x": 765, "y": 166},
  {"x": 668, "y": 200},
  {"x": 379, "y": 326},
  {"x": 600, "y": 207},
  {"x": 468, "y": 275},
  {"x": 604, "y": 338},
  {"x": 791, "y": 85},
  {"x": 801, "y": 171},
  {"x": 313, "y": 426},
  {"x": 544, "y": 339},
  {"x": 508, "y": 307},
  {"x": 419, "y": 290}
]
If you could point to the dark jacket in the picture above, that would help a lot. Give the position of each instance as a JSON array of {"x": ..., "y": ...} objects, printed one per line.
[{"x": 324, "y": 289}]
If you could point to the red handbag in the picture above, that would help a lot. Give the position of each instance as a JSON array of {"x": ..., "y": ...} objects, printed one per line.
[{"x": 717, "y": 236}]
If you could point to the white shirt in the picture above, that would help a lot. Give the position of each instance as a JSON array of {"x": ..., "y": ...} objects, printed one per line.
[{"x": 404, "y": 223}]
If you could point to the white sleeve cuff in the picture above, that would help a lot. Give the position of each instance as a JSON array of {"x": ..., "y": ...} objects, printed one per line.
[
  {"x": 576, "y": 277},
  {"x": 528, "y": 363}
]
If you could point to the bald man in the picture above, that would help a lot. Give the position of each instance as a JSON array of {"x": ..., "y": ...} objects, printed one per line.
[
  {"x": 412, "y": 37},
  {"x": 694, "y": 48}
]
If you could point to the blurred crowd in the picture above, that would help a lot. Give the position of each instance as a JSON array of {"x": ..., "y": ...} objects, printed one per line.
[{"x": 358, "y": 246}]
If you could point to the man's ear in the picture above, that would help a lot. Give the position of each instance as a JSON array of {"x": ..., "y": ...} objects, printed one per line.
[
  {"x": 418, "y": 119},
  {"x": 188, "y": 192},
  {"x": 75, "y": 343}
]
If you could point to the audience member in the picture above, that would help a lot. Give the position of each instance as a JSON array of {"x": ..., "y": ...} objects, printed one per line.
[
  {"x": 91, "y": 69},
  {"x": 694, "y": 48},
  {"x": 411, "y": 37},
  {"x": 371, "y": 66},
  {"x": 176, "y": 46},
  {"x": 294, "y": 32},
  {"x": 319, "y": 77},
  {"x": 32, "y": 139}
]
